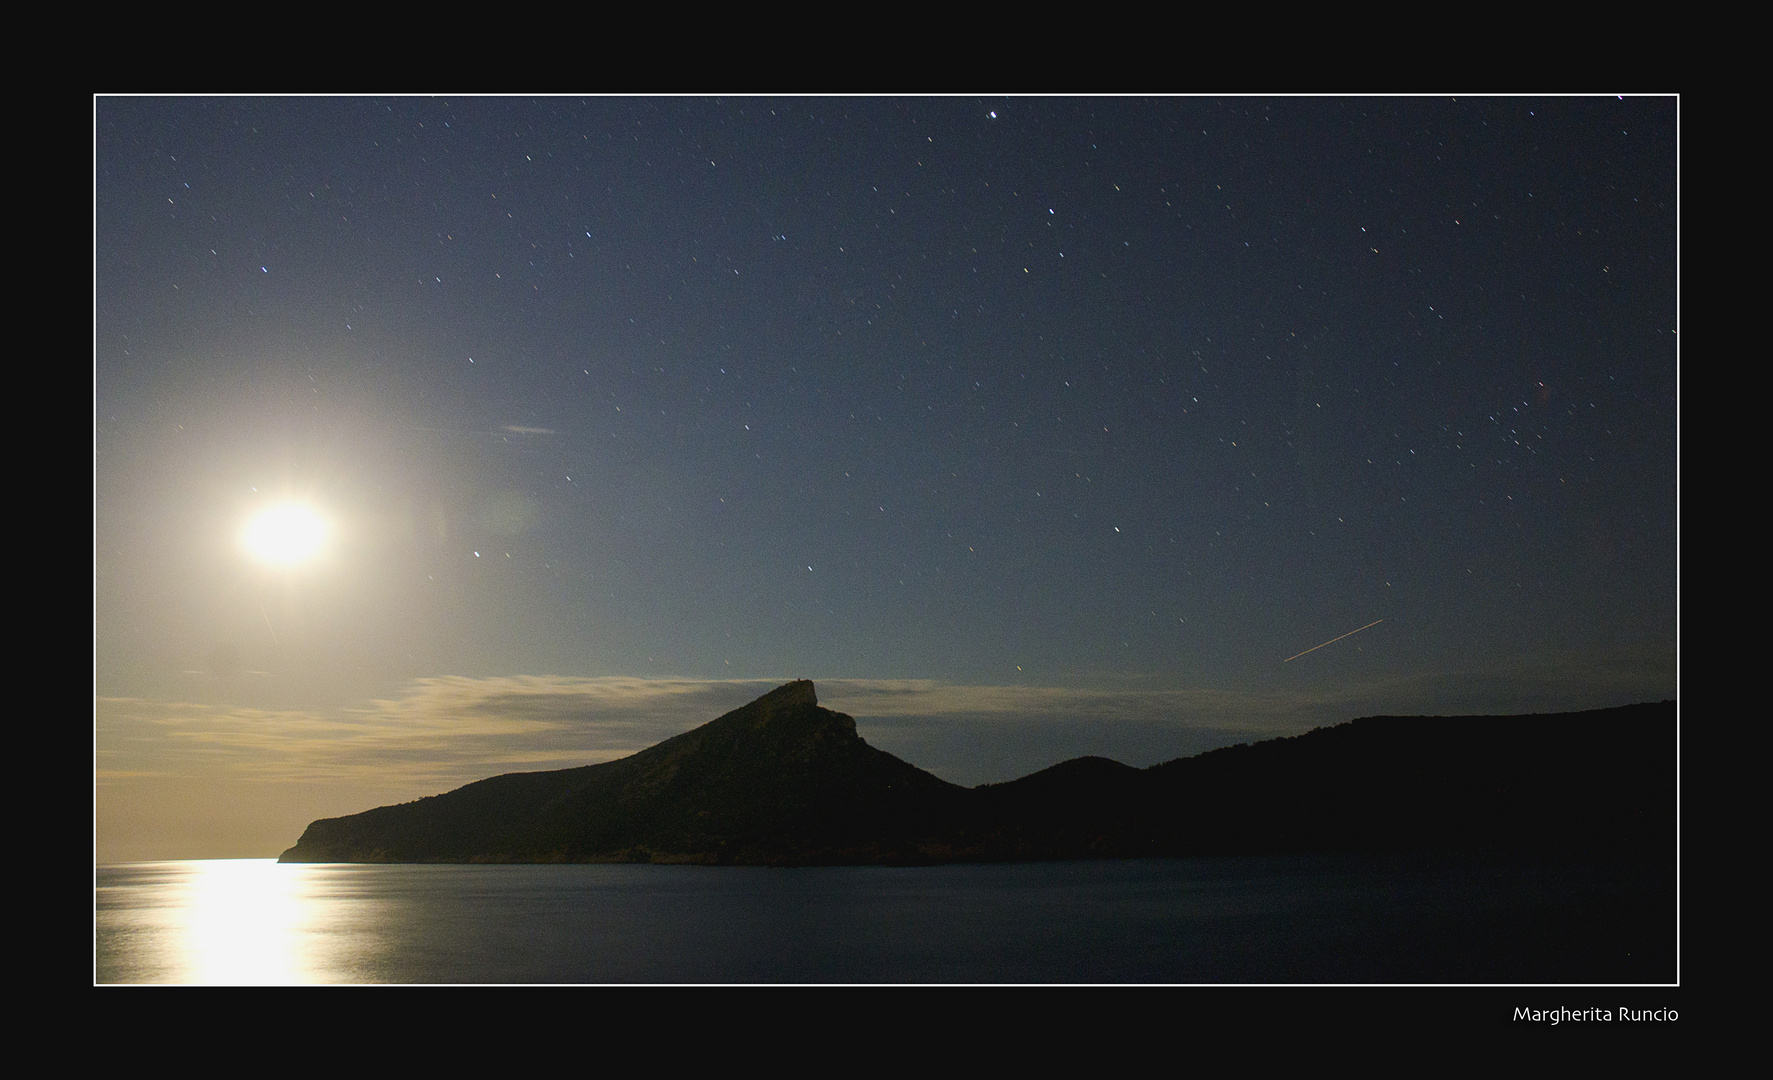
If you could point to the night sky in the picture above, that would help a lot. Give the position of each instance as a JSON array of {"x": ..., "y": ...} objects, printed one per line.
[{"x": 1027, "y": 428}]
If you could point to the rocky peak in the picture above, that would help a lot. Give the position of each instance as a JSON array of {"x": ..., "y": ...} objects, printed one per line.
[{"x": 789, "y": 695}]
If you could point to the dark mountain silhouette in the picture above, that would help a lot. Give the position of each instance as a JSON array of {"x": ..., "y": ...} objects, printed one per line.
[
  {"x": 784, "y": 781},
  {"x": 780, "y": 780}
]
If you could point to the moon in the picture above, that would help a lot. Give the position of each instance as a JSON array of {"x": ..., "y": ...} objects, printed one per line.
[{"x": 287, "y": 534}]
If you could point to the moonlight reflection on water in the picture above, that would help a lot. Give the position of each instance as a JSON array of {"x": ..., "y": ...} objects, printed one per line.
[
  {"x": 230, "y": 921},
  {"x": 1281, "y": 919}
]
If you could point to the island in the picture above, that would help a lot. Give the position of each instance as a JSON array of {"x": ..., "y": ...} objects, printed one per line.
[{"x": 784, "y": 781}]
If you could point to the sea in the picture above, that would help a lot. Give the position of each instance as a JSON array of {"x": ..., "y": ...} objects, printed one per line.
[{"x": 1293, "y": 919}]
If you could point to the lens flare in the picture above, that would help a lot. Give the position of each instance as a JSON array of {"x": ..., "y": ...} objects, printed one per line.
[{"x": 286, "y": 535}]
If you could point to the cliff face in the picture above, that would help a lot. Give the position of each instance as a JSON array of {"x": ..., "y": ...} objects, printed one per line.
[{"x": 784, "y": 781}]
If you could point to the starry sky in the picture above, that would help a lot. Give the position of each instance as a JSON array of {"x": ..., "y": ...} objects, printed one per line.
[{"x": 1026, "y": 427}]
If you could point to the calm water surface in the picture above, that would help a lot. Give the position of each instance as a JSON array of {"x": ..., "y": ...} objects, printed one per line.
[{"x": 1258, "y": 919}]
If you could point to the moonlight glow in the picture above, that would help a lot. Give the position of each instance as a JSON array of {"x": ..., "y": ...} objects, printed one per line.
[{"x": 285, "y": 535}]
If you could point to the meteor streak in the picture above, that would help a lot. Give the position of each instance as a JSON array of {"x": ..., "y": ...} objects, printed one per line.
[{"x": 1333, "y": 640}]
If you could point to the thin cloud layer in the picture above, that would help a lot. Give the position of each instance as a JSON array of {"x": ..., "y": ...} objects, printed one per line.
[
  {"x": 445, "y": 731},
  {"x": 438, "y": 731},
  {"x": 926, "y": 698}
]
